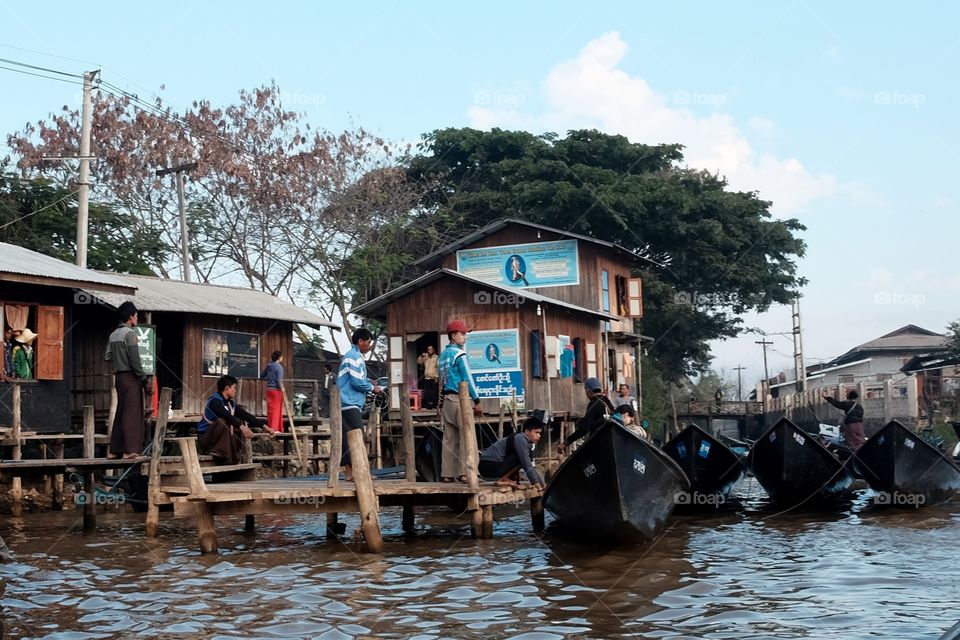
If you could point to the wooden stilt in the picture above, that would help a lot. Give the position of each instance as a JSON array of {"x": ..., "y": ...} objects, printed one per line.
[
  {"x": 47, "y": 480},
  {"x": 336, "y": 438},
  {"x": 476, "y": 518},
  {"x": 468, "y": 438},
  {"x": 333, "y": 525},
  {"x": 500, "y": 424},
  {"x": 409, "y": 442},
  {"x": 90, "y": 502},
  {"x": 156, "y": 450},
  {"x": 301, "y": 456},
  {"x": 536, "y": 514},
  {"x": 487, "y": 522},
  {"x": 249, "y": 523},
  {"x": 206, "y": 528},
  {"x": 16, "y": 484},
  {"x": 409, "y": 519},
  {"x": 57, "y": 503},
  {"x": 366, "y": 496}
]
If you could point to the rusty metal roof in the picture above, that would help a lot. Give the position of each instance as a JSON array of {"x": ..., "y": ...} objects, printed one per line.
[
  {"x": 23, "y": 265},
  {"x": 159, "y": 294}
]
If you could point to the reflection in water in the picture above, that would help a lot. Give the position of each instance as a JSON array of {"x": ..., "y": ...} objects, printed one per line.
[{"x": 734, "y": 574}]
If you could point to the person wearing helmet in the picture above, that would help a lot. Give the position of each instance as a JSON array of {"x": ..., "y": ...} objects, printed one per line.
[
  {"x": 596, "y": 414},
  {"x": 454, "y": 370}
]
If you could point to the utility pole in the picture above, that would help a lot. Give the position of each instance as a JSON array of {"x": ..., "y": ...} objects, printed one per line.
[
  {"x": 765, "y": 387},
  {"x": 184, "y": 234},
  {"x": 738, "y": 369},
  {"x": 800, "y": 371}
]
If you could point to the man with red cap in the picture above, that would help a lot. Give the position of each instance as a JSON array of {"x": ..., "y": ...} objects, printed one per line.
[{"x": 454, "y": 370}]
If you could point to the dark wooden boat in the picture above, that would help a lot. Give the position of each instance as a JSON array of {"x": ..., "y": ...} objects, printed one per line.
[
  {"x": 711, "y": 466},
  {"x": 616, "y": 487},
  {"x": 905, "y": 470},
  {"x": 795, "y": 469}
]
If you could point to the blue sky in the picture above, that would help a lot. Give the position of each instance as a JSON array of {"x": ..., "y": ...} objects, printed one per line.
[{"x": 842, "y": 114}]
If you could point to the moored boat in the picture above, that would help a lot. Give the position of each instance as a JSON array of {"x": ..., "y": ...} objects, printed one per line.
[
  {"x": 905, "y": 470},
  {"x": 796, "y": 469},
  {"x": 616, "y": 487},
  {"x": 711, "y": 466}
]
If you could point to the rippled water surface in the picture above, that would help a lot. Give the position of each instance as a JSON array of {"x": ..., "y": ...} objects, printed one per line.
[{"x": 746, "y": 573}]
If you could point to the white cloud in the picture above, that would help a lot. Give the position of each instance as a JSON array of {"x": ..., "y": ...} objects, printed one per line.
[{"x": 591, "y": 91}]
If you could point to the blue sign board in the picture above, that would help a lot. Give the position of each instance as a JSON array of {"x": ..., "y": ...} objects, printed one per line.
[
  {"x": 499, "y": 384},
  {"x": 494, "y": 360},
  {"x": 537, "y": 264}
]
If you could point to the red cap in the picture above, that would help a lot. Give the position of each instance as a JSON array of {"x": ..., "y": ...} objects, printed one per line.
[{"x": 457, "y": 325}]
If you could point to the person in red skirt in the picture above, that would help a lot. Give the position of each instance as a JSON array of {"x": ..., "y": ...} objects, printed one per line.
[{"x": 273, "y": 374}]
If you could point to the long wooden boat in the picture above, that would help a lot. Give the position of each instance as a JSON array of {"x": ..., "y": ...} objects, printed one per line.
[
  {"x": 795, "y": 469},
  {"x": 616, "y": 487},
  {"x": 905, "y": 470},
  {"x": 711, "y": 466}
]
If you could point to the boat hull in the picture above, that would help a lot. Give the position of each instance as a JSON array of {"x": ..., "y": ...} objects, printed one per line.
[
  {"x": 905, "y": 470},
  {"x": 795, "y": 469},
  {"x": 711, "y": 466},
  {"x": 616, "y": 487}
]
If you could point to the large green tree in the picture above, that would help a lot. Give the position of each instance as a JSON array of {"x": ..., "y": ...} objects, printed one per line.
[
  {"x": 41, "y": 216},
  {"x": 715, "y": 253}
]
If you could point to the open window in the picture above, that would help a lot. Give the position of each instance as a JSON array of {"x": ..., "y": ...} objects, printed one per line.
[{"x": 47, "y": 321}]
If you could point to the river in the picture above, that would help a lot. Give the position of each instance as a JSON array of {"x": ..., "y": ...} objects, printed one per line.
[{"x": 742, "y": 573}]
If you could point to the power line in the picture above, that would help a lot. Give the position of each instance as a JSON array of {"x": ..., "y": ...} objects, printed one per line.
[
  {"x": 40, "y": 75},
  {"x": 49, "y": 206},
  {"x": 36, "y": 68}
]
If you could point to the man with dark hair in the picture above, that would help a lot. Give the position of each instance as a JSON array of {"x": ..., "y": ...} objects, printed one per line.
[
  {"x": 454, "y": 370},
  {"x": 598, "y": 406},
  {"x": 505, "y": 457},
  {"x": 354, "y": 385},
  {"x": 273, "y": 374},
  {"x": 224, "y": 424},
  {"x": 130, "y": 381},
  {"x": 852, "y": 428}
]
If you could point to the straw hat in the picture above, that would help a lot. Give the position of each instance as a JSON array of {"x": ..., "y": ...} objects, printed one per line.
[{"x": 26, "y": 337}]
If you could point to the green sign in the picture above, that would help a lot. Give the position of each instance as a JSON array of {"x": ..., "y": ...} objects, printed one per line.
[{"x": 147, "y": 345}]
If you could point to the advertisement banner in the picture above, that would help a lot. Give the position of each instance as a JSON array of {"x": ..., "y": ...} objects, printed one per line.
[
  {"x": 499, "y": 384},
  {"x": 537, "y": 264},
  {"x": 231, "y": 353},
  {"x": 494, "y": 360}
]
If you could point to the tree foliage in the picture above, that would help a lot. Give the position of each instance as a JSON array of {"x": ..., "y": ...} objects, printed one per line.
[
  {"x": 715, "y": 253},
  {"x": 953, "y": 338}
]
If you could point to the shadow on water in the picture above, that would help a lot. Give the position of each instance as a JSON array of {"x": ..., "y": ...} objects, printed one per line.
[{"x": 742, "y": 572}]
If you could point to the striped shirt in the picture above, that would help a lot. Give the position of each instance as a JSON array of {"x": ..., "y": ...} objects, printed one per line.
[{"x": 352, "y": 379}]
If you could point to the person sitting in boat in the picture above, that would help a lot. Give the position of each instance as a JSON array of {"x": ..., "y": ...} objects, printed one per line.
[
  {"x": 598, "y": 408},
  {"x": 224, "y": 425},
  {"x": 504, "y": 458},
  {"x": 852, "y": 429},
  {"x": 626, "y": 415}
]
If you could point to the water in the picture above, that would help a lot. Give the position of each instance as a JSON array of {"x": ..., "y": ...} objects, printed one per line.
[{"x": 747, "y": 573}]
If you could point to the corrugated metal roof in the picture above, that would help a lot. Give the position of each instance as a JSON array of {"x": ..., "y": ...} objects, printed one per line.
[
  {"x": 19, "y": 261},
  {"x": 158, "y": 294},
  {"x": 377, "y": 306}
]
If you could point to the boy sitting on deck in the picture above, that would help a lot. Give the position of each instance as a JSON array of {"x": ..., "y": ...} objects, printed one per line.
[
  {"x": 505, "y": 457},
  {"x": 224, "y": 425}
]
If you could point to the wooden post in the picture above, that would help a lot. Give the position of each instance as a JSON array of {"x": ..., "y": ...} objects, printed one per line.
[
  {"x": 333, "y": 525},
  {"x": 513, "y": 407},
  {"x": 409, "y": 519},
  {"x": 293, "y": 431},
  {"x": 487, "y": 532},
  {"x": 89, "y": 435},
  {"x": 114, "y": 401},
  {"x": 206, "y": 528},
  {"x": 58, "y": 479},
  {"x": 336, "y": 438},
  {"x": 191, "y": 465},
  {"x": 249, "y": 523},
  {"x": 316, "y": 406},
  {"x": 153, "y": 483},
  {"x": 536, "y": 514},
  {"x": 887, "y": 400},
  {"x": 409, "y": 446},
  {"x": 16, "y": 484},
  {"x": 468, "y": 438},
  {"x": 366, "y": 496},
  {"x": 47, "y": 480},
  {"x": 375, "y": 437},
  {"x": 500, "y": 424}
]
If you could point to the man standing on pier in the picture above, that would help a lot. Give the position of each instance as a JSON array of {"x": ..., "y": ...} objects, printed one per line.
[
  {"x": 354, "y": 387},
  {"x": 130, "y": 380},
  {"x": 453, "y": 371}
]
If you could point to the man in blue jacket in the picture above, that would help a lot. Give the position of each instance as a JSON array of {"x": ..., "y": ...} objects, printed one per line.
[
  {"x": 453, "y": 371},
  {"x": 354, "y": 387}
]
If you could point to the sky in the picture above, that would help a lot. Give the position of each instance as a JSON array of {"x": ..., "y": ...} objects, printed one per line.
[{"x": 841, "y": 114}]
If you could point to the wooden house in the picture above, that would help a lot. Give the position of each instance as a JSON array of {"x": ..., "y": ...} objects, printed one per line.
[{"x": 547, "y": 309}]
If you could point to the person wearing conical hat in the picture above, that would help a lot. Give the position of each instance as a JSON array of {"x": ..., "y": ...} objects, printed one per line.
[{"x": 23, "y": 354}]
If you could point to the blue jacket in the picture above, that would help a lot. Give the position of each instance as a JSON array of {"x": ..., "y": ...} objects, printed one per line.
[
  {"x": 273, "y": 374},
  {"x": 352, "y": 379},
  {"x": 454, "y": 370}
]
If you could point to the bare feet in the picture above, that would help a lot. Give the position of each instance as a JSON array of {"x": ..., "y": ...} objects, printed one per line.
[
  {"x": 112, "y": 456},
  {"x": 507, "y": 482},
  {"x": 130, "y": 456}
]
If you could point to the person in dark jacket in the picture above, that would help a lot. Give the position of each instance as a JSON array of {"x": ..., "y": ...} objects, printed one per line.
[
  {"x": 505, "y": 457},
  {"x": 852, "y": 429},
  {"x": 131, "y": 382},
  {"x": 598, "y": 408},
  {"x": 224, "y": 425}
]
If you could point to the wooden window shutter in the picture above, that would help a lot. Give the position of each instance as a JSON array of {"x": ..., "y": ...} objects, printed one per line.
[
  {"x": 49, "y": 353},
  {"x": 635, "y": 298}
]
